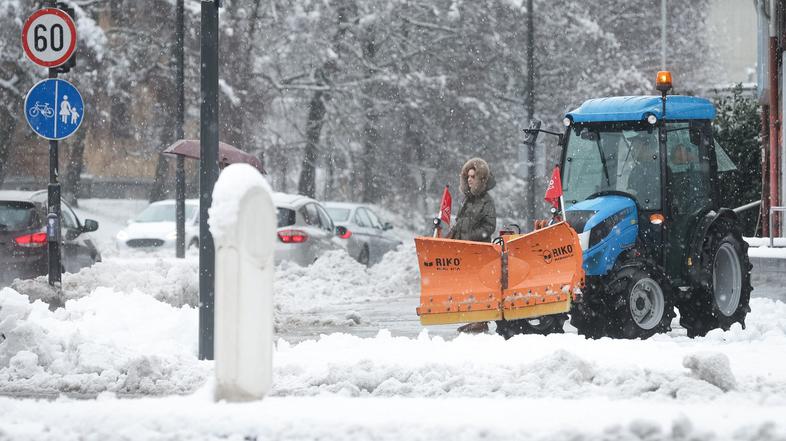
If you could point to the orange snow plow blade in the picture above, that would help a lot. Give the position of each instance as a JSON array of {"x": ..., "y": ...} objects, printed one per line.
[
  {"x": 531, "y": 275},
  {"x": 544, "y": 269},
  {"x": 460, "y": 281}
]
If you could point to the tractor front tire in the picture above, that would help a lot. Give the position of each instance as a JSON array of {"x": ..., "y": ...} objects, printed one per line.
[
  {"x": 545, "y": 325},
  {"x": 722, "y": 294},
  {"x": 641, "y": 302},
  {"x": 590, "y": 316}
]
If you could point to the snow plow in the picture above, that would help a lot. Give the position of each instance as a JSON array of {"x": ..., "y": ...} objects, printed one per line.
[
  {"x": 644, "y": 233},
  {"x": 521, "y": 276}
]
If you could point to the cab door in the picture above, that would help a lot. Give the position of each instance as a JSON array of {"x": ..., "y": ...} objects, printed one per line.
[{"x": 690, "y": 192}]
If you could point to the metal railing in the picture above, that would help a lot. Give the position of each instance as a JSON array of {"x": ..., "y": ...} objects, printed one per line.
[{"x": 774, "y": 209}]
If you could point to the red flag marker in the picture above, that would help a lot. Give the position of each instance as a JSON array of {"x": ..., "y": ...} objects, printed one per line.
[
  {"x": 443, "y": 217},
  {"x": 554, "y": 192}
]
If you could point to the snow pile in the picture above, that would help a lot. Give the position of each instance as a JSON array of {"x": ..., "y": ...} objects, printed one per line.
[
  {"x": 124, "y": 343},
  {"x": 333, "y": 279},
  {"x": 712, "y": 367},
  {"x": 170, "y": 280}
]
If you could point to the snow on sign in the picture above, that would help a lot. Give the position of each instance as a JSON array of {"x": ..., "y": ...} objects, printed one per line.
[
  {"x": 54, "y": 109},
  {"x": 49, "y": 37}
]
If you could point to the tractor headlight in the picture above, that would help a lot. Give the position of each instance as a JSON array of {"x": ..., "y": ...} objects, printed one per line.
[
  {"x": 566, "y": 121},
  {"x": 652, "y": 119},
  {"x": 603, "y": 229},
  {"x": 578, "y": 219}
]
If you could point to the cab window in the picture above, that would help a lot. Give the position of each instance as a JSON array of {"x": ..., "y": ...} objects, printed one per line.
[{"x": 688, "y": 169}]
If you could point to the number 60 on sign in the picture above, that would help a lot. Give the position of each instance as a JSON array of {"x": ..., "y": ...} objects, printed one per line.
[{"x": 49, "y": 37}]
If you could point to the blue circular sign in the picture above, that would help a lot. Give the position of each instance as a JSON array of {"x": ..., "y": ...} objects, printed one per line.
[{"x": 54, "y": 109}]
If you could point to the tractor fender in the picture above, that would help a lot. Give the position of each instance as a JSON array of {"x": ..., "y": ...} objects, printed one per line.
[{"x": 703, "y": 227}]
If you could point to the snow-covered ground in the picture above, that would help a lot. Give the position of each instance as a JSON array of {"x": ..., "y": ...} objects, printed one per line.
[{"x": 117, "y": 360}]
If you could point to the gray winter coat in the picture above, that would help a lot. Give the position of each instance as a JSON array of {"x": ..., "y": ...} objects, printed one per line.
[{"x": 477, "y": 218}]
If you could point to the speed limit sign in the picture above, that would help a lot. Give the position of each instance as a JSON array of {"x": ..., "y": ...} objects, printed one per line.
[{"x": 49, "y": 37}]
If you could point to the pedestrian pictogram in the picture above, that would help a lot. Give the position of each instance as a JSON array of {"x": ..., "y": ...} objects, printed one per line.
[
  {"x": 49, "y": 37},
  {"x": 54, "y": 109}
]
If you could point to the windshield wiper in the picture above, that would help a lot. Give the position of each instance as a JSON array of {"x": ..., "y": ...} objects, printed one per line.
[{"x": 603, "y": 161}]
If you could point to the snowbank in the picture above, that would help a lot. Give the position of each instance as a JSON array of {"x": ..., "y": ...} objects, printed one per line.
[
  {"x": 301, "y": 292},
  {"x": 132, "y": 343},
  {"x": 108, "y": 341}
]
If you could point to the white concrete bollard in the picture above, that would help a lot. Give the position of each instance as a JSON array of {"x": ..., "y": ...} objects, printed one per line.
[{"x": 243, "y": 224}]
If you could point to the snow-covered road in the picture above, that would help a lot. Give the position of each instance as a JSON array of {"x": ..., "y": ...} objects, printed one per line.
[{"x": 351, "y": 361}]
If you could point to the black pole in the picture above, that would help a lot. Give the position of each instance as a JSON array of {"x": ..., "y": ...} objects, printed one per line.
[
  {"x": 180, "y": 173},
  {"x": 53, "y": 204},
  {"x": 208, "y": 174},
  {"x": 530, "y": 100}
]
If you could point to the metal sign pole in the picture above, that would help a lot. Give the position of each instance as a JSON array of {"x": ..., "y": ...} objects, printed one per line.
[
  {"x": 208, "y": 174},
  {"x": 53, "y": 203},
  {"x": 180, "y": 174}
]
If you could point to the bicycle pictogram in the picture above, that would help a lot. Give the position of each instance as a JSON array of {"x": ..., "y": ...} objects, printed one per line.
[{"x": 42, "y": 109}]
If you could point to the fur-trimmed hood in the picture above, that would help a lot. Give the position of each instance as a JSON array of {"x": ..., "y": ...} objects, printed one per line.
[{"x": 482, "y": 174}]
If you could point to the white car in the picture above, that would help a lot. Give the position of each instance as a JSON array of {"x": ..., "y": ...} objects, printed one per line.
[
  {"x": 155, "y": 228},
  {"x": 369, "y": 238},
  {"x": 305, "y": 230}
]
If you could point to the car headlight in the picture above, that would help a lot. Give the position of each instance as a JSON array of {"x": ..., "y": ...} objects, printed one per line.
[
  {"x": 122, "y": 235},
  {"x": 172, "y": 235}
]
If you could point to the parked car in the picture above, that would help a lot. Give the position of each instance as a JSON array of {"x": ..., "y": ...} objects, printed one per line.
[
  {"x": 23, "y": 239},
  {"x": 155, "y": 227},
  {"x": 305, "y": 230},
  {"x": 370, "y": 238}
]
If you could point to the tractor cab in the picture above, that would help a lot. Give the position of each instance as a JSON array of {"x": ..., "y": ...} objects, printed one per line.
[{"x": 666, "y": 168}]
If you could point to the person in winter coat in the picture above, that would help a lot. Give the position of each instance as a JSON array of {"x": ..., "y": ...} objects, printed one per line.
[{"x": 477, "y": 218}]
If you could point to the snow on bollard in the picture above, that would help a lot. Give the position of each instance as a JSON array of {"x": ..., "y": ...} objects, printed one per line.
[{"x": 243, "y": 224}]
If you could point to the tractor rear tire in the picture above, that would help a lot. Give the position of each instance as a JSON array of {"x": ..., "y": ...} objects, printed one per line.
[
  {"x": 721, "y": 297},
  {"x": 641, "y": 301},
  {"x": 545, "y": 325}
]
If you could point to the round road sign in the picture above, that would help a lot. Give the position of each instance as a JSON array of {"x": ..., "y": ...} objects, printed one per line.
[
  {"x": 49, "y": 37},
  {"x": 54, "y": 108}
]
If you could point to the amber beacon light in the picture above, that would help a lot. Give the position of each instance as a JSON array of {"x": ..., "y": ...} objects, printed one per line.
[{"x": 663, "y": 82}]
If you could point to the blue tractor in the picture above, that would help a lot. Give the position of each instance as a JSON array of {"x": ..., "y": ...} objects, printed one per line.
[{"x": 640, "y": 180}]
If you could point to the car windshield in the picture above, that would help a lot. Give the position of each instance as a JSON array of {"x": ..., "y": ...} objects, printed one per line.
[
  {"x": 338, "y": 214},
  {"x": 16, "y": 215},
  {"x": 286, "y": 217},
  {"x": 163, "y": 213},
  {"x": 618, "y": 157}
]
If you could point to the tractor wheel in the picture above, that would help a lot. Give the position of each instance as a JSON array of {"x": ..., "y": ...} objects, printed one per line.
[
  {"x": 588, "y": 321},
  {"x": 590, "y": 316},
  {"x": 722, "y": 295},
  {"x": 641, "y": 302},
  {"x": 544, "y": 325}
]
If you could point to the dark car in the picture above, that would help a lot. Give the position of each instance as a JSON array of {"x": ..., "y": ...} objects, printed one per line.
[{"x": 23, "y": 241}]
